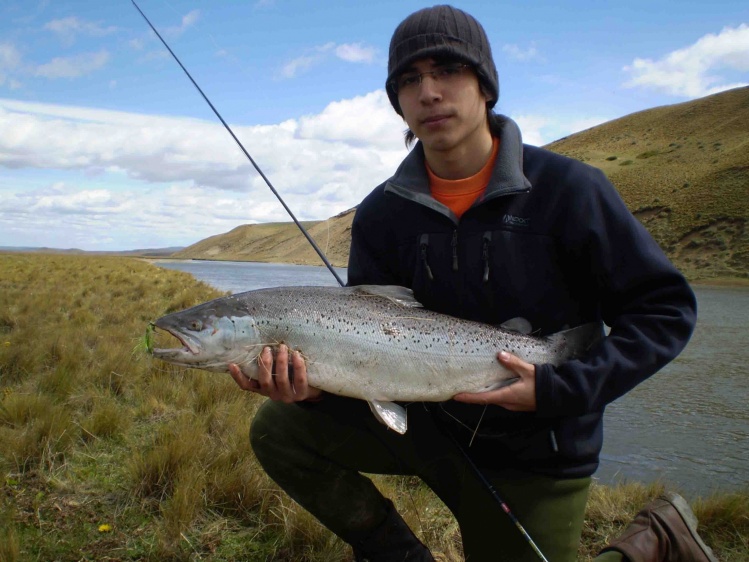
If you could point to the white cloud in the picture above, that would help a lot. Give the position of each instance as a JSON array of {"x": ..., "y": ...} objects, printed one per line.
[
  {"x": 99, "y": 179},
  {"x": 188, "y": 20},
  {"x": 147, "y": 180},
  {"x": 10, "y": 57},
  {"x": 10, "y": 60},
  {"x": 531, "y": 126},
  {"x": 68, "y": 28},
  {"x": 367, "y": 120},
  {"x": 355, "y": 52},
  {"x": 348, "y": 52},
  {"x": 540, "y": 130},
  {"x": 518, "y": 53},
  {"x": 697, "y": 70},
  {"x": 293, "y": 67},
  {"x": 74, "y": 66}
]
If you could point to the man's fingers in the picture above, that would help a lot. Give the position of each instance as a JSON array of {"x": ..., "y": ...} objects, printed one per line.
[
  {"x": 243, "y": 381},
  {"x": 281, "y": 380},
  {"x": 299, "y": 375},
  {"x": 509, "y": 360},
  {"x": 515, "y": 364},
  {"x": 265, "y": 371},
  {"x": 280, "y": 376}
]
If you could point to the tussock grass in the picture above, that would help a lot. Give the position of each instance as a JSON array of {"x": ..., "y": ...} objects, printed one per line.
[{"x": 107, "y": 454}]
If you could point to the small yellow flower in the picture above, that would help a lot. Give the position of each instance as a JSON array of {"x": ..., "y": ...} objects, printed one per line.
[
  {"x": 105, "y": 528},
  {"x": 6, "y": 344}
]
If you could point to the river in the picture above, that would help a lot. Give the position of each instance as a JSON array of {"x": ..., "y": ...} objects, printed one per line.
[{"x": 687, "y": 426}]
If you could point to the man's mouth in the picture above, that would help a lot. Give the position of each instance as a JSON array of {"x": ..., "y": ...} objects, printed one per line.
[{"x": 435, "y": 119}]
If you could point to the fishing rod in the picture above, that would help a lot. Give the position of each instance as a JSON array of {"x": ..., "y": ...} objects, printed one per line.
[
  {"x": 485, "y": 482},
  {"x": 252, "y": 161}
]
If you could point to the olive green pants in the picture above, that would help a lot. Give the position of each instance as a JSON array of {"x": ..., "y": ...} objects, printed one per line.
[{"x": 318, "y": 452}]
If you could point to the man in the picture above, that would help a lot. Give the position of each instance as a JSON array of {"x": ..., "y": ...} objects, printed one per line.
[{"x": 485, "y": 228}]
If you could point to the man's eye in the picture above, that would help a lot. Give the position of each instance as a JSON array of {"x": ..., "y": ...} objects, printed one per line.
[
  {"x": 410, "y": 80},
  {"x": 449, "y": 70}
]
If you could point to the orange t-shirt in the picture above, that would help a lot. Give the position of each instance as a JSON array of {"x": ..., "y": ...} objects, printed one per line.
[{"x": 459, "y": 195}]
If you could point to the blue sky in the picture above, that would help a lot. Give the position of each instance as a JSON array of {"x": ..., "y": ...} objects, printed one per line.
[{"x": 105, "y": 145}]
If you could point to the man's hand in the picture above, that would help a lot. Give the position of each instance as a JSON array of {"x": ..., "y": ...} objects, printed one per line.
[
  {"x": 278, "y": 386},
  {"x": 520, "y": 396}
]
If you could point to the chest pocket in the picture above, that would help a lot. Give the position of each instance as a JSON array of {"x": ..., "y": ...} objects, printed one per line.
[
  {"x": 488, "y": 276},
  {"x": 522, "y": 275}
]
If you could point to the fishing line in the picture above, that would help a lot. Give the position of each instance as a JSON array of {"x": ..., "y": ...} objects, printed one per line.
[{"x": 247, "y": 154}]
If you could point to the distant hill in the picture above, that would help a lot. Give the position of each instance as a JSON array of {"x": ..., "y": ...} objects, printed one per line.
[
  {"x": 278, "y": 242},
  {"x": 682, "y": 169},
  {"x": 147, "y": 253}
]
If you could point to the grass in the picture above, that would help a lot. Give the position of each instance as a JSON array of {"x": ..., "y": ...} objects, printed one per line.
[{"x": 108, "y": 455}]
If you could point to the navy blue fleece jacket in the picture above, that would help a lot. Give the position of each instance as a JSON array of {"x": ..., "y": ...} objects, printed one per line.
[{"x": 550, "y": 241}]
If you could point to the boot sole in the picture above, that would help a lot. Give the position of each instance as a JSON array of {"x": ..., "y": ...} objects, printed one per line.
[{"x": 681, "y": 505}]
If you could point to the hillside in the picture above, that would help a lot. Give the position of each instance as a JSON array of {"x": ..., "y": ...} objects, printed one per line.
[
  {"x": 278, "y": 242},
  {"x": 682, "y": 169}
]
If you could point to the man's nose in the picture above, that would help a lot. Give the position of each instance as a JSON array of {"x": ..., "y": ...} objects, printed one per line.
[{"x": 429, "y": 88}]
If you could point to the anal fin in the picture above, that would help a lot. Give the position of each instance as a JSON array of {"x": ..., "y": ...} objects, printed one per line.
[{"x": 391, "y": 414}]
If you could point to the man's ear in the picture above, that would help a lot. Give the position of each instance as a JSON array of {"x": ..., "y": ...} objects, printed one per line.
[{"x": 485, "y": 93}]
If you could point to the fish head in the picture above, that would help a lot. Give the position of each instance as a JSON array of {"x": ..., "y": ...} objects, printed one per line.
[{"x": 211, "y": 335}]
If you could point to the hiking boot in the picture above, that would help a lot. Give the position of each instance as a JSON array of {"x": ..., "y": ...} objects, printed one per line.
[
  {"x": 391, "y": 541},
  {"x": 664, "y": 531}
]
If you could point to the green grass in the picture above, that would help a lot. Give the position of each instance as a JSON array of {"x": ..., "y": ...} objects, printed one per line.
[{"x": 106, "y": 454}]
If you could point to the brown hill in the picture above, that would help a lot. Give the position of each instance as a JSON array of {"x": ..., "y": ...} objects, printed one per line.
[
  {"x": 682, "y": 169},
  {"x": 280, "y": 242}
]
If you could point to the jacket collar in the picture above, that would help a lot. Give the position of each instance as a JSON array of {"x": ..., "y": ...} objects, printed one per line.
[{"x": 411, "y": 181}]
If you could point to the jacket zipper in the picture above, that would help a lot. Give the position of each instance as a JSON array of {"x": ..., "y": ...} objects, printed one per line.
[
  {"x": 455, "y": 250},
  {"x": 423, "y": 244},
  {"x": 485, "y": 254}
]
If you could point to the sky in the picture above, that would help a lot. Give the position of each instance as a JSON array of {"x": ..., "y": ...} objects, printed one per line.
[{"x": 105, "y": 144}]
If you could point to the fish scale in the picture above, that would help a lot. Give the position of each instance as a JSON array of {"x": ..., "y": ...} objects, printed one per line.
[{"x": 372, "y": 342}]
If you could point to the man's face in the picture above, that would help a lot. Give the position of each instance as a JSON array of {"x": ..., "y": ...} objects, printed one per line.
[{"x": 445, "y": 108}]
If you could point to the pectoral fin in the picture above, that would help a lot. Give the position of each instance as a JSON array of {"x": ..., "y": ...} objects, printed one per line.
[{"x": 390, "y": 414}]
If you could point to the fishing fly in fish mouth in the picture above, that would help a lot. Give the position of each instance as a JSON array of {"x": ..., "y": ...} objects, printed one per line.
[{"x": 485, "y": 231}]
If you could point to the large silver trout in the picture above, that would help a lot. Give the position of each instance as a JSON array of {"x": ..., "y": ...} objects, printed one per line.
[{"x": 371, "y": 342}]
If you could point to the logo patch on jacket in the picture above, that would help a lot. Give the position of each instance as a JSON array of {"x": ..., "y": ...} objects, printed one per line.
[{"x": 516, "y": 221}]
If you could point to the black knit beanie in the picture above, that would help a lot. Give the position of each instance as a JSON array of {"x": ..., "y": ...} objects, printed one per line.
[{"x": 442, "y": 31}]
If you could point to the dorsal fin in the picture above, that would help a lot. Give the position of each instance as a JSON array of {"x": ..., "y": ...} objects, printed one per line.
[{"x": 519, "y": 325}]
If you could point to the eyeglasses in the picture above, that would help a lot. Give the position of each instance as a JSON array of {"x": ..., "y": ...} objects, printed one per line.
[{"x": 410, "y": 81}]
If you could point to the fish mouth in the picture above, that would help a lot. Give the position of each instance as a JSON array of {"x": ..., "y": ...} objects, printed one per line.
[{"x": 189, "y": 346}]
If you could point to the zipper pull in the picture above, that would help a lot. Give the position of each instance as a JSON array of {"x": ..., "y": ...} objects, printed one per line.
[
  {"x": 423, "y": 243},
  {"x": 485, "y": 254},
  {"x": 455, "y": 250}
]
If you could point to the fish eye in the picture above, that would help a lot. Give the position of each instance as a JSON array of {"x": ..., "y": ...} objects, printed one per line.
[{"x": 196, "y": 325}]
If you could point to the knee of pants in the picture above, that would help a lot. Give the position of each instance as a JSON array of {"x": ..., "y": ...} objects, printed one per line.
[{"x": 267, "y": 430}]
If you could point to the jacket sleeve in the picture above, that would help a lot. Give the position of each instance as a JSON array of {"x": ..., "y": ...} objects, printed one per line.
[
  {"x": 367, "y": 264},
  {"x": 642, "y": 297}
]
